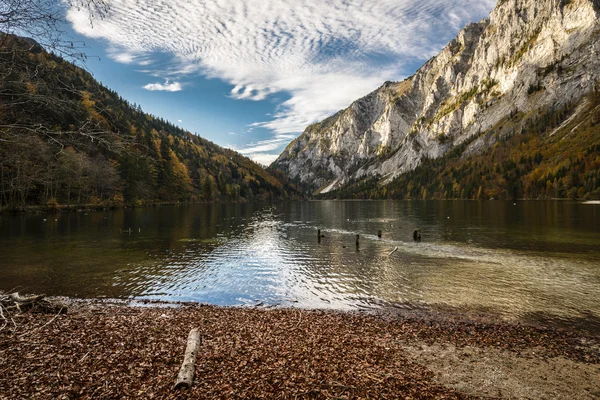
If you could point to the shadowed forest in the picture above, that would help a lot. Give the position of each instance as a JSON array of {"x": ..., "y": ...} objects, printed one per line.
[{"x": 67, "y": 140}]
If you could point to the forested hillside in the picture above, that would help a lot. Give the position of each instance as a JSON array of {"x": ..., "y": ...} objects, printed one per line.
[
  {"x": 550, "y": 154},
  {"x": 67, "y": 140}
]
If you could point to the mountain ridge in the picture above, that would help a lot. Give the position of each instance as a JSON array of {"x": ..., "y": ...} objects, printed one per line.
[{"x": 525, "y": 58}]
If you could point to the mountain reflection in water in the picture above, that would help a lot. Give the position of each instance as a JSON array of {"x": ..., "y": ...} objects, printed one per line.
[{"x": 515, "y": 260}]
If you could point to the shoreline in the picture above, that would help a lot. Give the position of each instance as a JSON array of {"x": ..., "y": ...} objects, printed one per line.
[
  {"x": 34, "y": 209},
  {"x": 430, "y": 312},
  {"x": 75, "y": 208},
  {"x": 104, "y": 350}
]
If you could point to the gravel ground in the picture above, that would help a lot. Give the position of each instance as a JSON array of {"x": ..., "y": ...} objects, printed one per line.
[{"x": 103, "y": 351}]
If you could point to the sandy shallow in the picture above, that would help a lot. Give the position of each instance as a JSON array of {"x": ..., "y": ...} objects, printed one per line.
[
  {"x": 107, "y": 351},
  {"x": 489, "y": 372}
]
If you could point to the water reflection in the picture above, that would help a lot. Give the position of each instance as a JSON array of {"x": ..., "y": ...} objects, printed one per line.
[{"x": 514, "y": 259}]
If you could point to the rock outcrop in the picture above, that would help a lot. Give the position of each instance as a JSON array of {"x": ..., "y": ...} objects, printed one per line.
[{"x": 529, "y": 55}]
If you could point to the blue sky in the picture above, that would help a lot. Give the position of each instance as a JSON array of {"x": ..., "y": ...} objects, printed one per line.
[{"x": 252, "y": 74}]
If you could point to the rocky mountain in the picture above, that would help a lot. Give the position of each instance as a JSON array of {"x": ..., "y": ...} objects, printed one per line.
[{"x": 530, "y": 60}]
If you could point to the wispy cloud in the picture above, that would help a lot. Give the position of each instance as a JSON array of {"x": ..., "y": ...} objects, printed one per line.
[
  {"x": 265, "y": 151},
  {"x": 124, "y": 56},
  {"x": 265, "y": 159},
  {"x": 322, "y": 53},
  {"x": 262, "y": 146},
  {"x": 167, "y": 87}
]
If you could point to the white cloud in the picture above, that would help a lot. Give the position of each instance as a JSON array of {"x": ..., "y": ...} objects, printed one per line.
[
  {"x": 317, "y": 97},
  {"x": 265, "y": 151},
  {"x": 266, "y": 145},
  {"x": 264, "y": 159},
  {"x": 180, "y": 121},
  {"x": 125, "y": 56},
  {"x": 167, "y": 87},
  {"x": 322, "y": 53}
]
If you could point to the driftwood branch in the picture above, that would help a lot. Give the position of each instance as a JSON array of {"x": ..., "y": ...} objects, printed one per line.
[
  {"x": 185, "y": 378},
  {"x": 3, "y": 317},
  {"x": 17, "y": 298},
  {"x": 15, "y": 303}
]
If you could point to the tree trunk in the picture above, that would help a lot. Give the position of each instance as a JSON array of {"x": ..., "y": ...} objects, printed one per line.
[{"x": 185, "y": 378}]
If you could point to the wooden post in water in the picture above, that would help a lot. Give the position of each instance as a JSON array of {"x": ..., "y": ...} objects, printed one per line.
[
  {"x": 319, "y": 235},
  {"x": 379, "y": 234},
  {"x": 417, "y": 235},
  {"x": 357, "y": 241}
]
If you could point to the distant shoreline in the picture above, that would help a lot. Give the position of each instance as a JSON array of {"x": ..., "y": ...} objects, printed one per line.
[{"x": 39, "y": 209}]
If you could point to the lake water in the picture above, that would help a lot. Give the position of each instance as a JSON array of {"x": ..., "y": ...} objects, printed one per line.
[{"x": 521, "y": 260}]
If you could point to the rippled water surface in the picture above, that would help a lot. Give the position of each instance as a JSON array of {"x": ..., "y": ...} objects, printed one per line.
[{"x": 515, "y": 259}]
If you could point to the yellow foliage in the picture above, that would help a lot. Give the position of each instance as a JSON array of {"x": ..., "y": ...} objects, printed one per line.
[{"x": 31, "y": 88}]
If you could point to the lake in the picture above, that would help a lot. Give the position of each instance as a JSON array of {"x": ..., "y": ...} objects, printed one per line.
[{"x": 523, "y": 260}]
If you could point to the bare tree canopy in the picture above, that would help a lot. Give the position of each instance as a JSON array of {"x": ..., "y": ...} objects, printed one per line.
[
  {"x": 42, "y": 106},
  {"x": 43, "y": 21}
]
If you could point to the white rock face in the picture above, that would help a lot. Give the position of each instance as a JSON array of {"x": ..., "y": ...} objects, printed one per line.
[{"x": 529, "y": 55}]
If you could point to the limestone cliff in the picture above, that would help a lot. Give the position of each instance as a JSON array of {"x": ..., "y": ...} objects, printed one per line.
[{"x": 529, "y": 55}]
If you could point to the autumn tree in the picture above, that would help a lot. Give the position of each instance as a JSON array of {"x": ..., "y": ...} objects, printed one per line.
[
  {"x": 174, "y": 179},
  {"x": 65, "y": 138}
]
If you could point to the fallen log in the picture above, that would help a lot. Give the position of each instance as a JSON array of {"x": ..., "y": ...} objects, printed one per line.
[
  {"x": 185, "y": 378},
  {"x": 17, "y": 298},
  {"x": 31, "y": 303}
]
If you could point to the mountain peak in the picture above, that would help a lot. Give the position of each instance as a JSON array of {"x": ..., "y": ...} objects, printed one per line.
[{"x": 526, "y": 57}]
